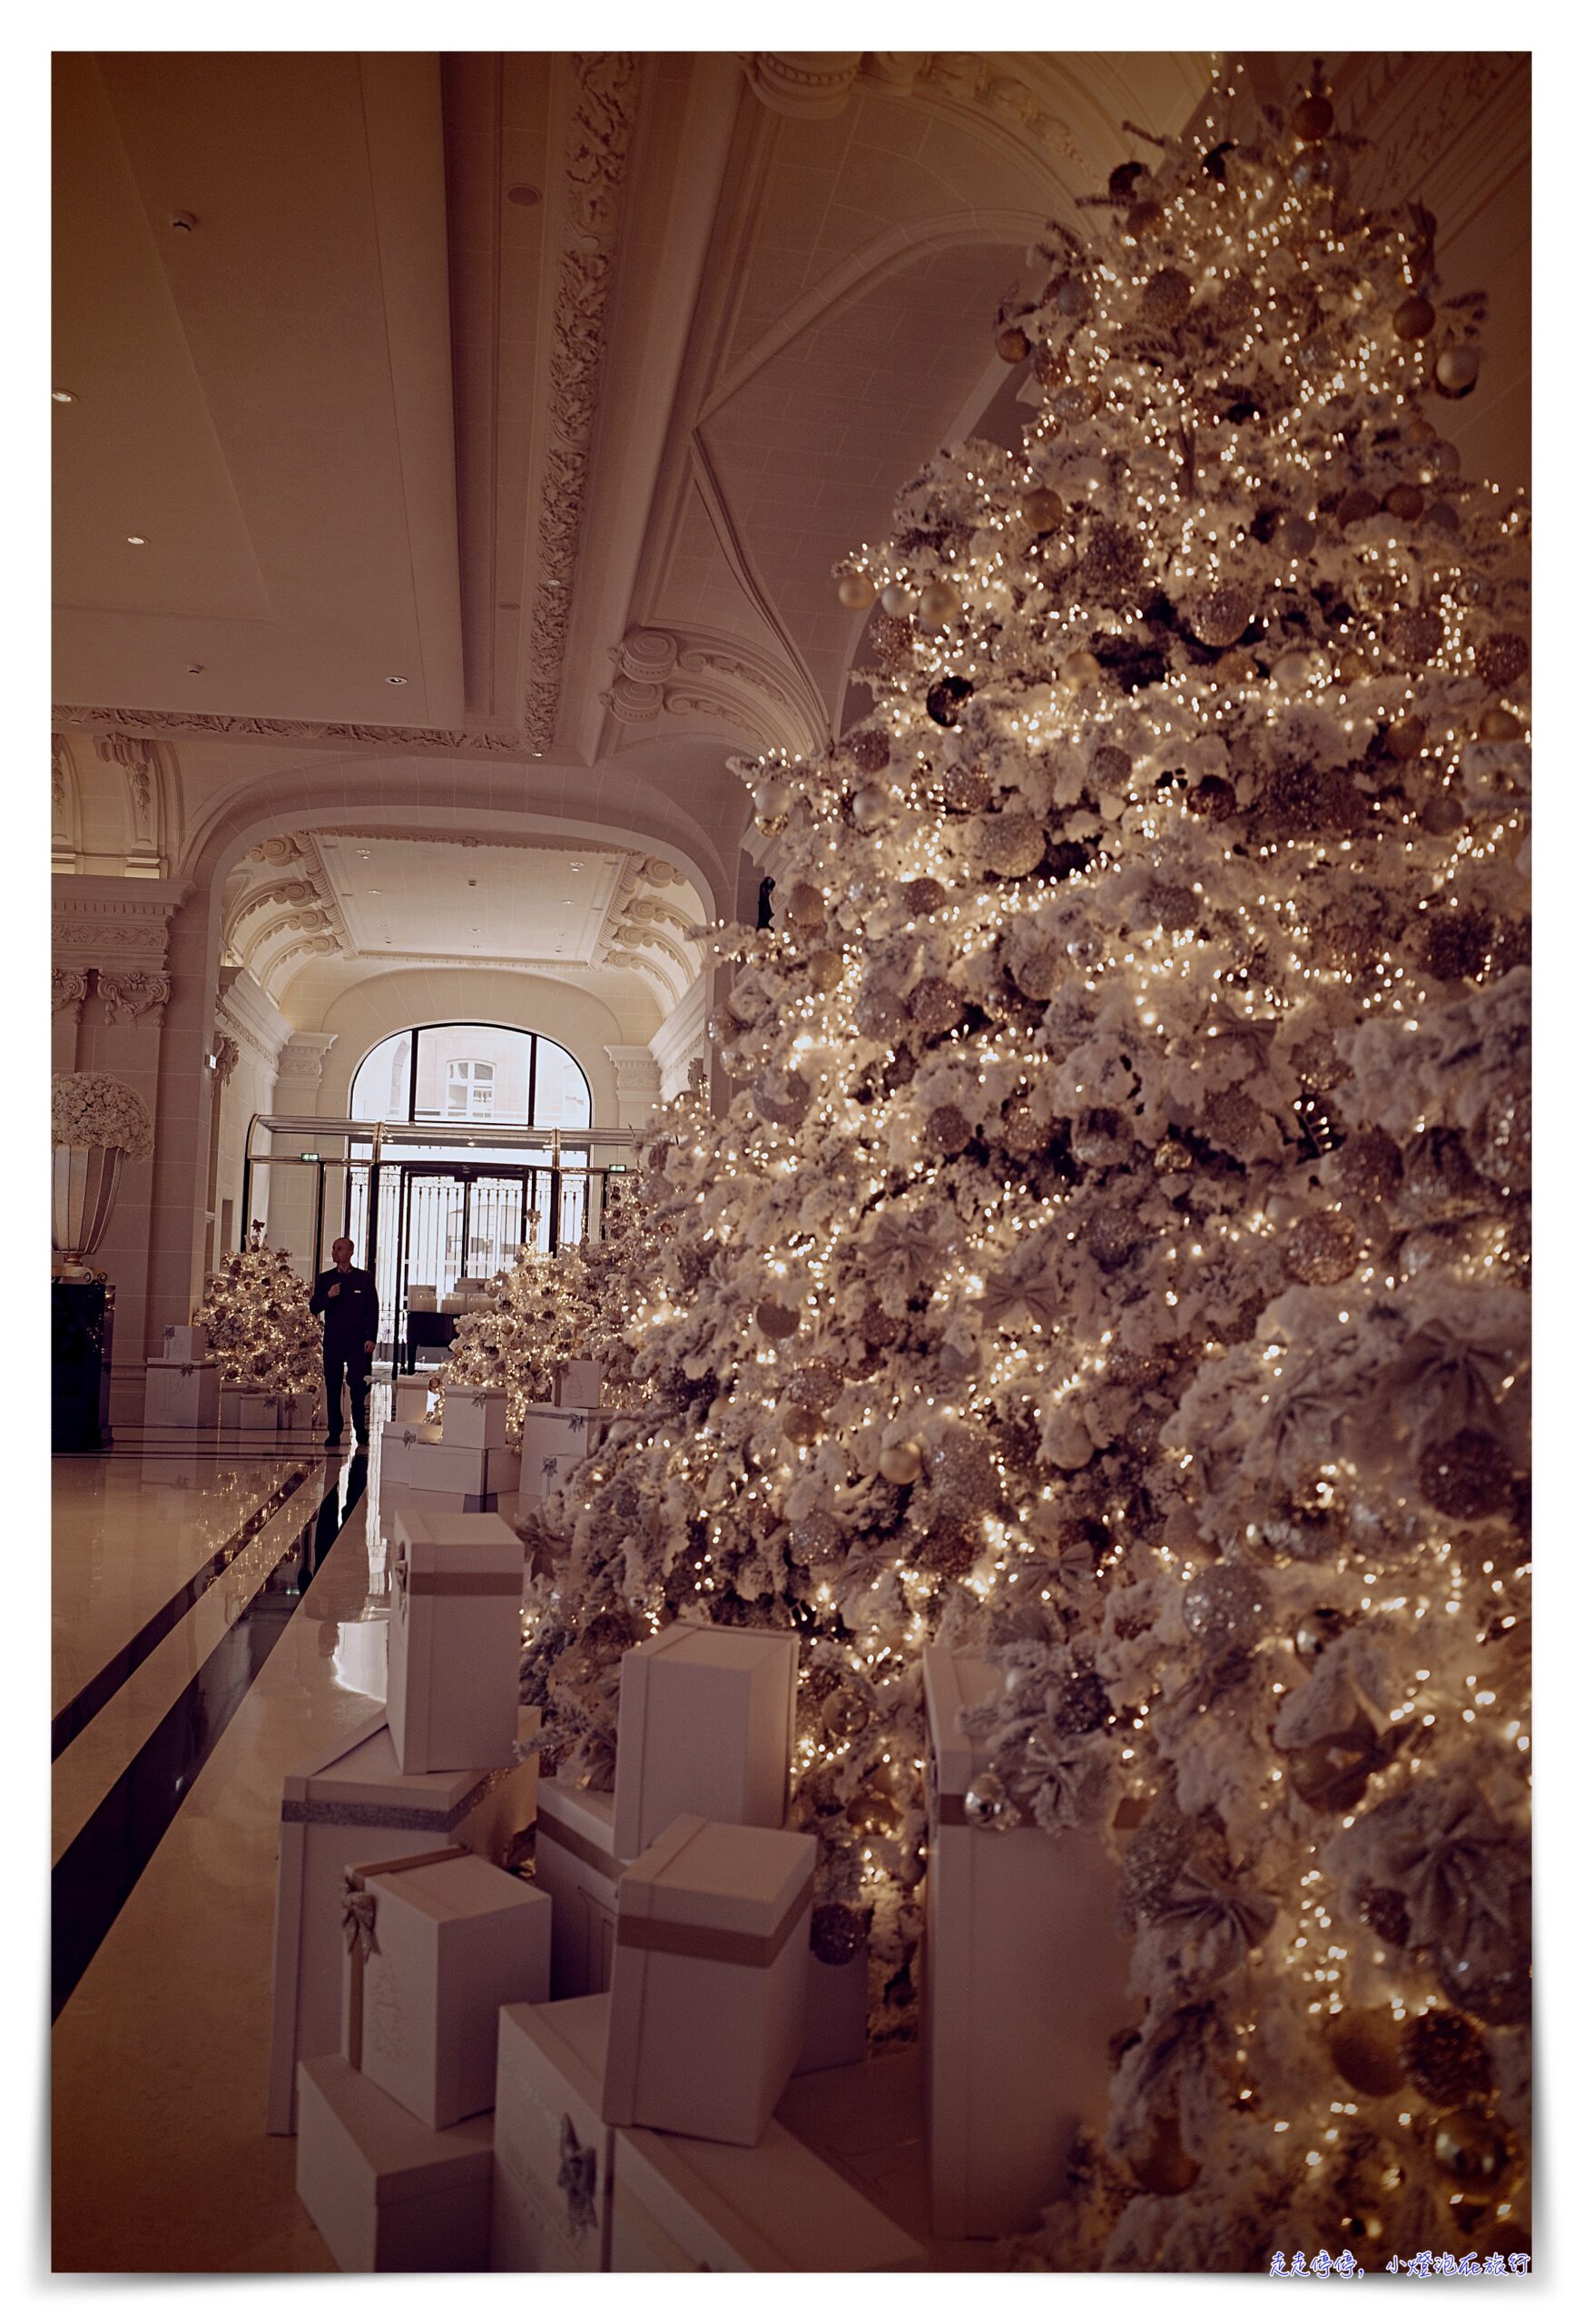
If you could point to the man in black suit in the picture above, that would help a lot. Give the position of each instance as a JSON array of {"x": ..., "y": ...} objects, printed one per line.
[{"x": 345, "y": 1295}]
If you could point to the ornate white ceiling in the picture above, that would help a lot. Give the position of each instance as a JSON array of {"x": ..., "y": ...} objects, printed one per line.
[{"x": 552, "y": 386}]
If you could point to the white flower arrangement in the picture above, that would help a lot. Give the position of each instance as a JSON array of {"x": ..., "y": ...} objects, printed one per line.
[{"x": 96, "y": 1109}]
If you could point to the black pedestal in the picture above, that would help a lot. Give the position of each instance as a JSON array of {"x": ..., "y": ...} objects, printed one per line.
[{"x": 82, "y": 1327}]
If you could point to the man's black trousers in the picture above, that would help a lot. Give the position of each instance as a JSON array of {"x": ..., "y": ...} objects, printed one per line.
[{"x": 354, "y": 1363}]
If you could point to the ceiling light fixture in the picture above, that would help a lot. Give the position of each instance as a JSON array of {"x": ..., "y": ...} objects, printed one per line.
[
  {"x": 395, "y": 681},
  {"x": 62, "y": 395},
  {"x": 136, "y": 541}
]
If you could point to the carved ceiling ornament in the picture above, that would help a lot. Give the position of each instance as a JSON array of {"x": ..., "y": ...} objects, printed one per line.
[
  {"x": 450, "y": 740},
  {"x": 815, "y": 86},
  {"x": 660, "y": 674},
  {"x": 132, "y": 993},
  {"x": 129, "y": 931},
  {"x": 596, "y": 169},
  {"x": 68, "y": 990}
]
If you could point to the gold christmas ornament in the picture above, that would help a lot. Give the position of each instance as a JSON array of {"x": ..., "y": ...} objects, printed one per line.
[
  {"x": 938, "y": 604},
  {"x": 1466, "y": 1475},
  {"x": 1501, "y": 660},
  {"x": 1446, "y": 2058},
  {"x": 966, "y": 789},
  {"x": 1356, "y": 505},
  {"x": 1043, "y": 509},
  {"x": 1406, "y": 501},
  {"x": 1370, "y": 1166},
  {"x": 816, "y": 1384},
  {"x": 1456, "y": 371},
  {"x": 1011, "y": 343},
  {"x": 986, "y": 1804},
  {"x": 1405, "y": 739},
  {"x": 1295, "y": 535},
  {"x": 837, "y": 1934},
  {"x": 1319, "y": 1627},
  {"x": 1470, "y": 2149},
  {"x": 935, "y": 1006},
  {"x": 1415, "y": 319},
  {"x": 1171, "y": 1156},
  {"x": 948, "y": 1130},
  {"x": 1220, "y": 616},
  {"x": 898, "y": 600},
  {"x": 1167, "y": 295},
  {"x": 776, "y": 1322},
  {"x": 902, "y": 1464},
  {"x": 1011, "y": 845},
  {"x": 845, "y": 1713},
  {"x": 799, "y": 1426},
  {"x": 824, "y": 969},
  {"x": 1365, "y": 2048},
  {"x": 1312, "y": 119},
  {"x": 1499, "y": 725},
  {"x": 1225, "y": 1605},
  {"x": 875, "y": 1812},
  {"x": 1415, "y": 636},
  {"x": 1321, "y": 1248},
  {"x": 869, "y": 749},
  {"x": 1332, "y": 1774},
  {"x": 872, "y": 806},
  {"x": 856, "y": 591},
  {"x": 1080, "y": 669},
  {"x": 923, "y": 896},
  {"x": 805, "y": 906}
]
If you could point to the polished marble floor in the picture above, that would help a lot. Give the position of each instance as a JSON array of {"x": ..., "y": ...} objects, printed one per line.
[{"x": 236, "y": 1601}]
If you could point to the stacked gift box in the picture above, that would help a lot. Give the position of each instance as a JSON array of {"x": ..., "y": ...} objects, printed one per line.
[
  {"x": 467, "y": 1458},
  {"x": 400, "y": 1932},
  {"x": 181, "y": 1389},
  {"x": 668, "y": 2080}
]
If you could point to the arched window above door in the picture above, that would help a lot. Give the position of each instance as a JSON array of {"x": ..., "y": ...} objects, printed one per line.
[{"x": 458, "y": 1073}]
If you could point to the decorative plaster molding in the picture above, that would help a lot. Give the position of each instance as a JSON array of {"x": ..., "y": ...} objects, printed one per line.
[
  {"x": 596, "y": 169},
  {"x": 810, "y": 87},
  {"x": 244, "y": 1011},
  {"x": 660, "y": 673},
  {"x": 133, "y": 994},
  {"x": 68, "y": 990},
  {"x": 302, "y": 1057},
  {"x": 65, "y": 821},
  {"x": 448, "y": 738},
  {"x": 227, "y": 1058},
  {"x": 117, "y": 930},
  {"x": 280, "y": 849},
  {"x": 636, "y": 1073}
]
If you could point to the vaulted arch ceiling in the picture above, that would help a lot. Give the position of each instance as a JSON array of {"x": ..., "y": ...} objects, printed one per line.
[{"x": 552, "y": 386}]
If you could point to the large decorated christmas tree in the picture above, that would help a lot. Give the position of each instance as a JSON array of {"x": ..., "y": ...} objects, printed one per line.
[{"x": 1116, "y": 1258}]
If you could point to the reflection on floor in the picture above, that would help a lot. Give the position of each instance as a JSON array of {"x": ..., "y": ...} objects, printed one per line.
[{"x": 268, "y": 1574}]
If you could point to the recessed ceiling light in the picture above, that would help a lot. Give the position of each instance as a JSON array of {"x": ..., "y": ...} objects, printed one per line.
[
  {"x": 375, "y": 892},
  {"x": 136, "y": 541},
  {"x": 62, "y": 395},
  {"x": 395, "y": 681},
  {"x": 576, "y": 867},
  {"x": 362, "y": 854}
]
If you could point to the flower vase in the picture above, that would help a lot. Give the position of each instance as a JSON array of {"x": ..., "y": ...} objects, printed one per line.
[{"x": 83, "y": 1187}]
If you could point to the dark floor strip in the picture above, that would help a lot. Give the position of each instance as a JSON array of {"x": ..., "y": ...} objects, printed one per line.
[
  {"x": 89, "y": 1700},
  {"x": 103, "y": 1864}
]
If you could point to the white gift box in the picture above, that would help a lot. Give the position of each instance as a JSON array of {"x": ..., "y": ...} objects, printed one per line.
[
  {"x": 409, "y": 1403},
  {"x": 709, "y": 1979},
  {"x": 835, "y": 2016},
  {"x": 706, "y": 1727},
  {"x": 552, "y": 2148},
  {"x": 388, "y": 2195},
  {"x": 180, "y": 1395},
  {"x": 416, "y": 1457},
  {"x": 435, "y": 1944},
  {"x": 456, "y": 1638},
  {"x": 474, "y": 1417},
  {"x": 453, "y": 1306},
  {"x": 679, "y": 2205},
  {"x": 186, "y": 1343},
  {"x": 552, "y": 1442},
  {"x": 575, "y": 1861},
  {"x": 247, "y": 1411},
  {"x": 297, "y": 1409},
  {"x": 351, "y": 1804},
  {"x": 420, "y": 1298},
  {"x": 1025, "y": 1983},
  {"x": 579, "y": 1383}
]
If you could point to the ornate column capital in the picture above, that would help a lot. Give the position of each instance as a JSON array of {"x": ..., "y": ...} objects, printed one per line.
[
  {"x": 227, "y": 1056},
  {"x": 302, "y": 1057},
  {"x": 68, "y": 990},
  {"x": 133, "y": 994}
]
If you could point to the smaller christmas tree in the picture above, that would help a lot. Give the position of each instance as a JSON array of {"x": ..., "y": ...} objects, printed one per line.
[
  {"x": 258, "y": 1321},
  {"x": 540, "y": 1319}
]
